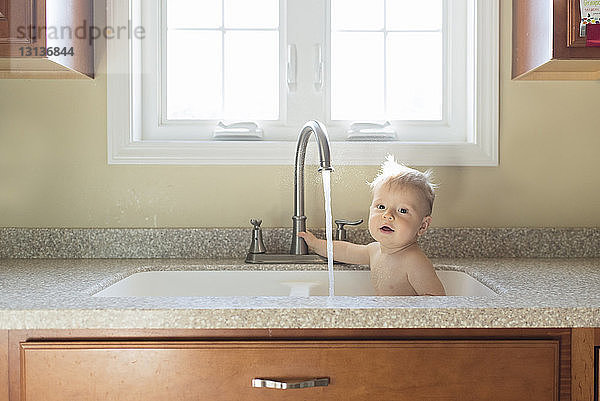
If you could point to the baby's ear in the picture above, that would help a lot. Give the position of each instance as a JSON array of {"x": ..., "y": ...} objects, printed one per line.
[{"x": 424, "y": 225}]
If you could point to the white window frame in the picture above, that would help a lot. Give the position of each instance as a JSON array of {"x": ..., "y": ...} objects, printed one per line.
[{"x": 124, "y": 113}]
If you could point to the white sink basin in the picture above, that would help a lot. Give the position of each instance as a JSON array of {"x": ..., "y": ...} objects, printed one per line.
[{"x": 269, "y": 283}]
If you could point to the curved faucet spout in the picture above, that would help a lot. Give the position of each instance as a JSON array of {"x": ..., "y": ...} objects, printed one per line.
[
  {"x": 322, "y": 138},
  {"x": 299, "y": 246}
]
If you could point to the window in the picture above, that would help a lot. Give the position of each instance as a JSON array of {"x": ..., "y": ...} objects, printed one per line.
[
  {"x": 222, "y": 60},
  {"x": 396, "y": 47},
  {"x": 416, "y": 79}
]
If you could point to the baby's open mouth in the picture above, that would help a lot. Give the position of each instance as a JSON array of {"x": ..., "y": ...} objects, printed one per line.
[{"x": 386, "y": 229}]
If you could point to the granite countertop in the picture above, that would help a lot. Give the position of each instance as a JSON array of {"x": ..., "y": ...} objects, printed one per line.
[{"x": 57, "y": 294}]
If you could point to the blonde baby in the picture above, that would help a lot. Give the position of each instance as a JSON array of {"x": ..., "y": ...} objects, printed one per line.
[{"x": 400, "y": 213}]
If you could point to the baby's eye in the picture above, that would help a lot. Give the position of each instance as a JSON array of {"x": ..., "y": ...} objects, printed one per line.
[
  {"x": 381, "y": 207},
  {"x": 403, "y": 210}
]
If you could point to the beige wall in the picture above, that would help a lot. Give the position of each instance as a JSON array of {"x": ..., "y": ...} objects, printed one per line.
[{"x": 53, "y": 170}]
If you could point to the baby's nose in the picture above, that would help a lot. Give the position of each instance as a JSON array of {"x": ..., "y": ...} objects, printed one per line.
[{"x": 388, "y": 215}]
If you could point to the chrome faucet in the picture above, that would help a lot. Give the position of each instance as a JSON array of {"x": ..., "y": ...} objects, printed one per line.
[
  {"x": 299, "y": 250},
  {"x": 299, "y": 246}
]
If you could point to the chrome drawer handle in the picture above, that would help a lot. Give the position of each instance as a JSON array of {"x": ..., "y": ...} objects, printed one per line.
[{"x": 266, "y": 383}]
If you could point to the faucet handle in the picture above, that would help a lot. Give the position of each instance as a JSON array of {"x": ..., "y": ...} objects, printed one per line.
[
  {"x": 340, "y": 232},
  {"x": 341, "y": 222},
  {"x": 257, "y": 245}
]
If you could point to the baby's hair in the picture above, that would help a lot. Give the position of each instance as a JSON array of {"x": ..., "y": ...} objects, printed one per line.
[{"x": 393, "y": 174}]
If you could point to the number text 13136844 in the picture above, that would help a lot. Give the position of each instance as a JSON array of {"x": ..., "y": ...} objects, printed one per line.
[{"x": 46, "y": 51}]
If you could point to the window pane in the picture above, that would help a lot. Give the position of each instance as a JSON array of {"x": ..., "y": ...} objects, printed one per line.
[
  {"x": 414, "y": 84},
  {"x": 251, "y": 14},
  {"x": 357, "y": 14},
  {"x": 194, "y": 14},
  {"x": 194, "y": 75},
  {"x": 357, "y": 76},
  {"x": 252, "y": 75},
  {"x": 414, "y": 15}
]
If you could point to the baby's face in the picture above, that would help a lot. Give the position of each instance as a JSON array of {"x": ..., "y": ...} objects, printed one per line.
[{"x": 396, "y": 216}]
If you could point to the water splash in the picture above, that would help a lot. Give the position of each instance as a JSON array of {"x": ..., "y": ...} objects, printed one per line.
[{"x": 328, "y": 228}]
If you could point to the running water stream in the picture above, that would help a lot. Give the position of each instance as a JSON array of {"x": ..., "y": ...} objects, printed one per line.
[{"x": 328, "y": 227}]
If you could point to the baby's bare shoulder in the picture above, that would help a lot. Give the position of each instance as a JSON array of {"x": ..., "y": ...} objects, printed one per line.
[
  {"x": 422, "y": 276},
  {"x": 373, "y": 248},
  {"x": 417, "y": 261},
  {"x": 373, "y": 245}
]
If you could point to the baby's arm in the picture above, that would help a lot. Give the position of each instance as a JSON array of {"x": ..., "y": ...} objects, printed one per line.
[
  {"x": 423, "y": 279},
  {"x": 345, "y": 252}
]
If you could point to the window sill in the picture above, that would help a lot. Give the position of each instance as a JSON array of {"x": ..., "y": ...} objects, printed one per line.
[{"x": 283, "y": 153}]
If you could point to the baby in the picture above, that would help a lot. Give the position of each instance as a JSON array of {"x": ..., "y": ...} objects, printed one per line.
[{"x": 399, "y": 214}]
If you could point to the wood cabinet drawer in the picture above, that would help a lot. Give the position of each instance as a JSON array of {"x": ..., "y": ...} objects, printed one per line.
[{"x": 358, "y": 370}]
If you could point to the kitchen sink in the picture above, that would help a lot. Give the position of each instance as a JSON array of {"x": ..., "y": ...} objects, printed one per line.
[{"x": 226, "y": 283}]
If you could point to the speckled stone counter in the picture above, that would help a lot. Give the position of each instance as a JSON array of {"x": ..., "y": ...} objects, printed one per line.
[
  {"x": 437, "y": 242},
  {"x": 57, "y": 294}
]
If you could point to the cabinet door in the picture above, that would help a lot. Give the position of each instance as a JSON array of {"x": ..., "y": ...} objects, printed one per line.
[
  {"x": 365, "y": 370},
  {"x": 21, "y": 22},
  {"x": 546, "y": 43}
]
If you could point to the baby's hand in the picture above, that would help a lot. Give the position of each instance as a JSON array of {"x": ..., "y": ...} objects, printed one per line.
[{"x": 309, "y": 237}]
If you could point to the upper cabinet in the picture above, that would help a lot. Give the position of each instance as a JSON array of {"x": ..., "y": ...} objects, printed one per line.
[
  {"x": 547, "y": 45},
  {"x": 46, "y": 39}
]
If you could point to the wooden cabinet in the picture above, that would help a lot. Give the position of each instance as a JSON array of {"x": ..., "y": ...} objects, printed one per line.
[
  {"x": 361, "y": 364},
  {"x": 47, "y": 39},
  {"x": 583, "y": 341},
  {"x": 378, "y": 370},
  {"x": 14, "y": 20},
  {"x": 3, "y": 364},
  {"x": 546, "y": 42},
  {"x": 597, "y": 371}
]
